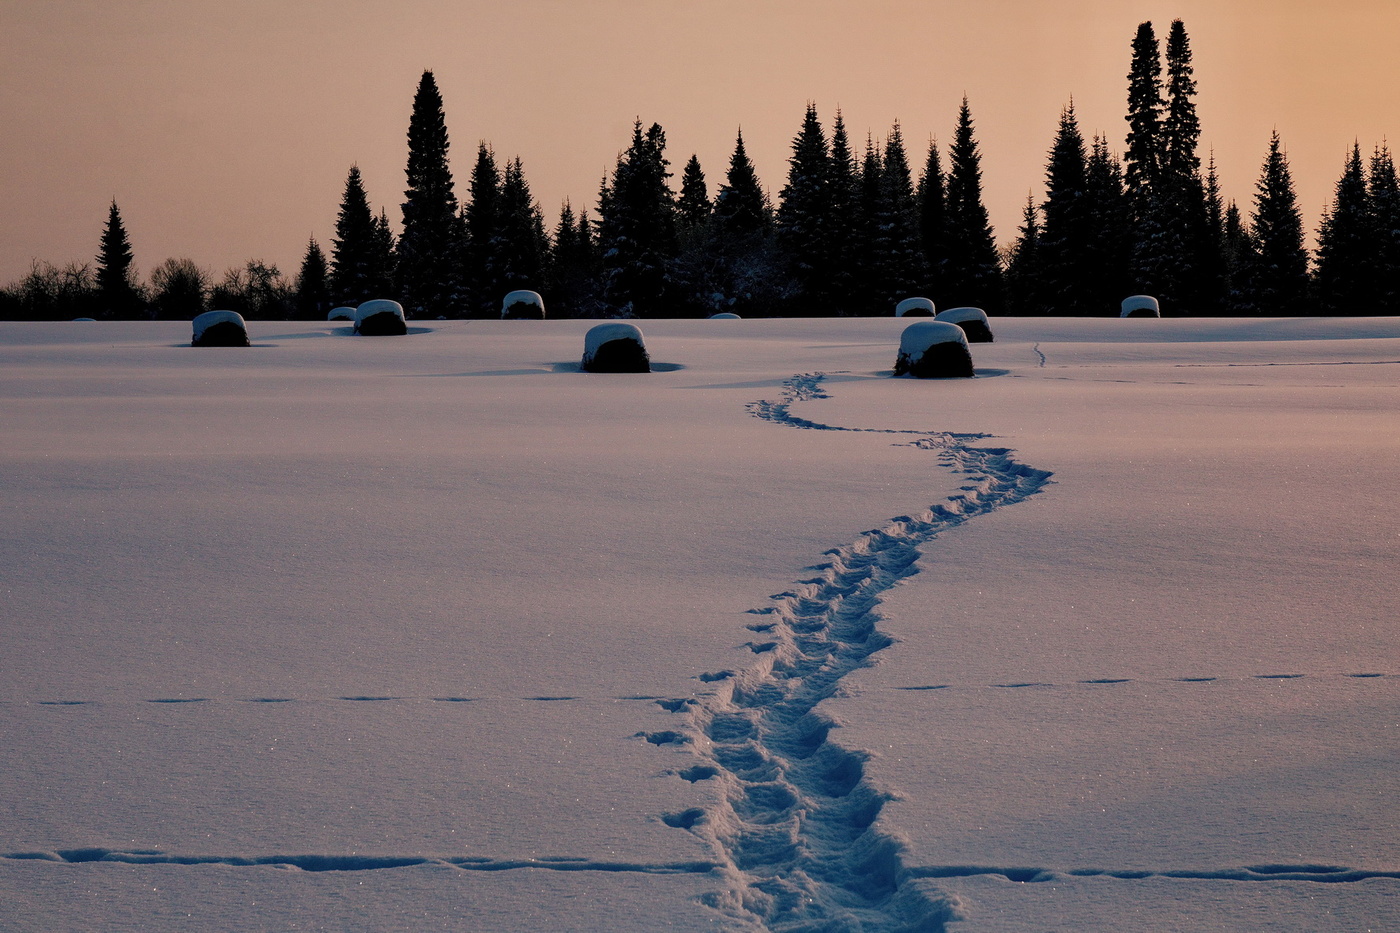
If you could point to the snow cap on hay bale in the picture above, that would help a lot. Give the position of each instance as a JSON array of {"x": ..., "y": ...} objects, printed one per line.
[
  {"x": 220, "y": 329},
  {"x": 933, "y": 350},
  {"x": 522, "y": 305},
  {"x": 724, "y": 316},
  {"x": 973, "y": 321},
  {"x": 915, "y": 307},
  {"x": 380, "y": 318},
  {"x": 343, "y": 313},
  {"x": 1140, "y": 306},
  {"x": 615, "y": 348}
]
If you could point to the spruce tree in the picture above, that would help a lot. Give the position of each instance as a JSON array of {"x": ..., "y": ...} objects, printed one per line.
[
  {"x": 1346, "y": 247},
  {"x": 931, "y": 198},
  {"x": 1110, "y": 225},
  {"x": 972, "y": 273},
  {"x": 117, "y": 293},
  {"x": 572, "y": 266},
  {"x": 429, "y": 247},
  {"x": 1025, "y": 290},
  {"x": 1383, "y": 193},
  {"x": 482, "y": 222},
  {"x": 804, "y": 218},
  {"x": 846, "y": 229},
  {"x": 1069, "y": 273},
  {"x": 313, "y": 296},
  {"x": 897, "y": 248},
  {"x": 866, "y": 267},
  {"x": 1280, "y": 279},
  {"x": 523, "y": 241},
  {"x": 637, "y": 228},
  {"x": 693, "y": 209},
  {"x": 741, "y": 208},
  {"x": 1144, "y": 156},
  {"x": 353, "y": 249},
  {"x": 1237, "y": 248},
  {"x": 382, "y": 269},
  {"x": 1181, "y": 128}
]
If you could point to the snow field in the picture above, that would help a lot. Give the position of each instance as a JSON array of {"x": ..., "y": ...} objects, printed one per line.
[{"x": 422, "y": 611}]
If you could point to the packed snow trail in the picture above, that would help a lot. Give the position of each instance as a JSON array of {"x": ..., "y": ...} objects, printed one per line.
[{"x": 795, "y": 827}]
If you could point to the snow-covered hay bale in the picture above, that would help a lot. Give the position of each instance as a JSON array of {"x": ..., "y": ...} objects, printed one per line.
[
  {"x": 724, "y": 316},
  {"x": 380, "y": 318},
  {"x": 615, "y": 348},
  {"x": 84, "y": 320},
  {"x": 933, "y": 350},
  {"x": 915, "y": 307},
  {"x": 1140, "y": 306},
  {"x": 220, "y": 329},
  {"x": 344, "y": 313},
  {"x": 522, "y": 305},
  {"x": 973, "y": 321}
]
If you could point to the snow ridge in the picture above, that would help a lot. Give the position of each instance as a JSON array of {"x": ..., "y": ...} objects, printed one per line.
[{"x": 795, "y": 822}]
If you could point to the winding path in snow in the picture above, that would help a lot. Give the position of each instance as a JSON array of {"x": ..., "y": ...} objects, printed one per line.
[{"x": 795, "y": 826}]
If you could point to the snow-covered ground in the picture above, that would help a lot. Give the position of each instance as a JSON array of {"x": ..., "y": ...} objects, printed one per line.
[{"x": 437, "y": 632}]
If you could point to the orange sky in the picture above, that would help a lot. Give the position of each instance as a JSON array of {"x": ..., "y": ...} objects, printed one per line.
[{"x": 224, "y": 130}]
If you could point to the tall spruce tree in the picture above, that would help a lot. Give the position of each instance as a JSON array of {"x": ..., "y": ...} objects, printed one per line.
[
  {"x": 1280, "y": 279},
  {"x": 1346, "y": 246},
  {"x": 1068, "y": 273},
  {"x": 482, "y": 222},
  {"x": 354, "y": 276},
  {"x": 429, "y": 247},
  {"x": 313, "y": 293},
  {"x": 846, "y": 229},
  {"x": 1383, "y": 192},
  {"x": 972, "y": 272},
  {"x": 1144, "y": 157},
  {"x": 524, "y": 244},
  {"x": 804, "y": 218},
  {"x": 1110, "y": 241},
  {"x": 897, "y": 249},
  {"x": 118, "y": 295},
  {"x": 637, "y": 228},
  {"x": 932, "y": 198}
]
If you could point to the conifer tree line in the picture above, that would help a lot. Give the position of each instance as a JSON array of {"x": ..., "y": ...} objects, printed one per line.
[{"x": 853, "y": 230}]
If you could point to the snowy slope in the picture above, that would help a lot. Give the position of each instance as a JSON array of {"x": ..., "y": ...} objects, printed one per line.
[{"x": 438, "y": 632}]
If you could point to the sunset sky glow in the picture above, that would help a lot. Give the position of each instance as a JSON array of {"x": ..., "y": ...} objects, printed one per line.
[{"x": 225, "y": 130}]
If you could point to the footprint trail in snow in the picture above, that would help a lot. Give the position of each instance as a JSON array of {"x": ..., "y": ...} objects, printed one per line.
[{"x": 795, "y": 827}]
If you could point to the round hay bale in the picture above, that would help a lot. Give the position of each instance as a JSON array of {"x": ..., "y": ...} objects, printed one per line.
[
  {"x": 933, "y": 350},
  {"x": 77, "y": 320},
  {"x": 219, "y": 329},
  {"x": 380, "y": 318},
  {"x": 1140, "y": 306},
  {"x": 343, "y": 313},
  {"x": 724, "y": 316},
  {"x": 522, "y": 305},
  {"x": 915, "y": 307},
  {"x": 973, "y": 321},
  {"x": 615, "y": 348}
]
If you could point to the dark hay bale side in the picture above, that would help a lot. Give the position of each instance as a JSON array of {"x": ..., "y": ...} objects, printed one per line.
[
  {"x": 976, "y": 331},
  {"x": 940, "y": 361},
  {"x": 523, "y": 311},
  {"x": 619, "y": 356},
  {"x": 222, "y": 334},
  {"x": 384, "y": 324},
  {"x": 1142, "y": 312},
  {"x": 918, "y": 312}
]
